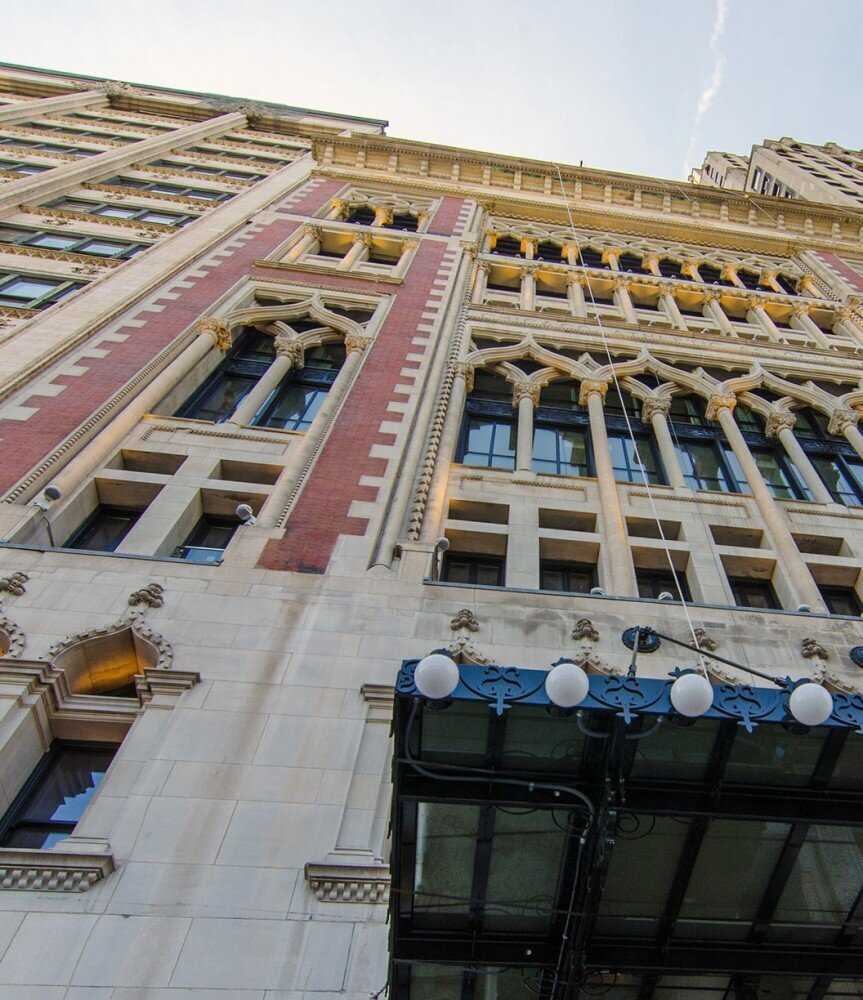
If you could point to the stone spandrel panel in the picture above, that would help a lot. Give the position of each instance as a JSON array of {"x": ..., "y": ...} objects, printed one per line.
[{"x": 150, "y": 330}]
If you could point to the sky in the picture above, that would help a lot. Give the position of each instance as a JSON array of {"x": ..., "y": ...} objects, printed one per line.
[{"x": 619, "y": 84}]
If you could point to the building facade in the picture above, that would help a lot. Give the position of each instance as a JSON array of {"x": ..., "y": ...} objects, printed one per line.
[{"x": 286, "y": 402}]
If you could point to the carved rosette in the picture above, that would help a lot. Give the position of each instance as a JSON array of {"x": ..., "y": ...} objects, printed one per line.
[{"x": 151, "y": 596}]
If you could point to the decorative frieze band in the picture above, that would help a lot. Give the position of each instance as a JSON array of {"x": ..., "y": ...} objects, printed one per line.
[
  {"x": 52, "y": 871},
  {"x": 349, "y": 883}
]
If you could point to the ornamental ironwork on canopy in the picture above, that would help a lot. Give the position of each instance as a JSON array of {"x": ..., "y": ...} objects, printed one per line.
[{"x": 620, "y": 849}]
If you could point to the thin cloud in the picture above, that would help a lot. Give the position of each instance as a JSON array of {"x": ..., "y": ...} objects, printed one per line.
[{"x": 708, "y": 95}]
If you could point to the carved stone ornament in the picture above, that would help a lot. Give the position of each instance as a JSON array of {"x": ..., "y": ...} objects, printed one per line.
[
  {"x": 703, "y": 640},
  {"x": 290, "y": 349},
  {"x": 464, "y": 619},
  {"x": 161, "y": 655},
  {"x": 812, "y": 649},
  {"x": 356, "y": 342},
  {"x": 349, "y": 883},
  {"x": 151, "y": 596},
  {"x": 585, "y": 629},
  {"x": 12, "y": 639},
  {"x": 588, "y": 387},
  {"x": 13, "y": 584},
  {"x": 52, "y": 871},
  {"x": 526, "y": 390},
  {"x": 841, "y": 418},
  {"x": 779, "y": 420},
  {"x": 653, "y": 405},
  {"x": 217, "y": 330},
  {"x": 465, "y": 371}
]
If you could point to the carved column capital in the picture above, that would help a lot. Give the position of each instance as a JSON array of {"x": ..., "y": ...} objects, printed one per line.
[
  {"x": 310, "y": 230},
  {"x": 779, "y": 420},
  {"x": 842, "y": 418},
  {"x": 526, "y": 390},
  {"x": 590, "y": 386},
  {"x": 356, "y": 342},
  {"x": 573, "y": 278},
  {"x": 463, "y": 370},
  {"x": 720, "y": 401},
  {"x": 219, "y": 331},
  {"x": 288, "y": 347},
  {"x": 801, "y": 309},
  {"x": 653, "y": 405}
]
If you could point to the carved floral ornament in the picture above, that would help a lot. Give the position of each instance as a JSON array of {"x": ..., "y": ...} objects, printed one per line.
[
  {"x": 633, "y": 375},
  {"x": 12, "y": 638}
]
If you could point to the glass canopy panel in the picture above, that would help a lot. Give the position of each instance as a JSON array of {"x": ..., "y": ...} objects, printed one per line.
[
  {"x": 446, "y": 843},
  {"x": 772, "y": 755},
  {"x": 522, "y": 885},
  {"x": 459, "y": 734},
  {"x": 825, "y": 881},
  {"x": 535, "y": 739},
  {"x": 643, "y": 863},
  {"x": 679, "y": 753},
  {"x": 447, "y": 982},
  {"x": 848, "y": 772},
  {"x": 692, "y": 988},
  {"x": 734, "y": 865}
]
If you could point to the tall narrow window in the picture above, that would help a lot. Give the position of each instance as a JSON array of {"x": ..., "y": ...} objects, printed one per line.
[
  {"x": 104, "y": 529},
  {"x": 841, "y": 601},
  {"x": 208, "y": 540},
  {"x": 296, "y": 401},
  {"x": 705, "y": 459},
  {"x": 633, "y": 452},
  {"x": 561, "y": 440},
  {"x": 56, "y": 795},
  {"x": 222, "y": 392},
  {"x": 782, "y": 479},
  {"x": 566, "y": 577},
  {"x": 654, "y": 582},
  {"x": 488, "y": 435},
  {"x": 754, "y": 593},
  {"x": 836, "y": 462},
  {"x": 471, "y": 569}
]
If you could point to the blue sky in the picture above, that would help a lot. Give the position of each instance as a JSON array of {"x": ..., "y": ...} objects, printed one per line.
[{"x": 614, "y": 83}]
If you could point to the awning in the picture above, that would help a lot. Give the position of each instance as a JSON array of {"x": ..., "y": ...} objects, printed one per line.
[{"x": 620, "y": 850}]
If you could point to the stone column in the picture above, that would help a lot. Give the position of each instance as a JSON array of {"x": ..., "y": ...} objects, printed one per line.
[
  {"x": 757, "y": 314},
  {"x": 23, "y": 111},
  {"x": 715, "y": 311},
  {"x": 462, "y": 384},
  {"x": 843, "y": 420},
  {"x": 624, "y": 301},
  {"x": 622, "y": 573},
  {"x": 780, "y": 424},
  {"x": 570, "y": 252},
  {"x": 359, "y": 251},
  {"x": 211, "y": 332},
  {"x": 289, "y": 354},
  {"x": 383, "y": 216},
  {"x": 304, "y": 451},
  {"x": 575, "y": 295},
  {"x": 847, "y": 324},
  {"x": 337, "y": 209},
  {"x": 799, "y": 578},
  {"x": 311, "y": 236},
  {"x": 801, "y": 320},
  {"x": 655, "y": 412},
  {"x": 480, "y": 282},
  {"x": 525, "y": 397},
  {"x": 36, "y": 188},
  {"x": 528, "y": 289},
  {"x": 674, "y": 313}
]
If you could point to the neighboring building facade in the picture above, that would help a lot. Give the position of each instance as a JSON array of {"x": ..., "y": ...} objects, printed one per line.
[
  {"x": 264, "y": 359},
  {"x": 787, "y": 168}
]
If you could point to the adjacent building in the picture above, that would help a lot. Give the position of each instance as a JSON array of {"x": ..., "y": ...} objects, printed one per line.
[{"x": 286, "y": 405}]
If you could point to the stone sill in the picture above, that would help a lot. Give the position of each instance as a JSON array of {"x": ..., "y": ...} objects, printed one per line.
[{"x": 52, "y": 871}]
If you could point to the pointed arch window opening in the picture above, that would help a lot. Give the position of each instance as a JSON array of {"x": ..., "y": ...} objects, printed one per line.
[{"x": 295, "y": 402}]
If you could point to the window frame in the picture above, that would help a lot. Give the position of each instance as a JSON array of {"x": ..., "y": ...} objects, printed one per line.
[
  {"x": 63, "y": 288},
  {"x": 474, "y": 560},
  {"x": 97, "y": 209},
  {"x": 567, "y": 567},
  {"x": 177, "y": 190},
  {"x": 204, "y": 522},
  {"x": 828, "y": 591},
  {"x": 30, "y": 235},
  {"x": 94, "y": 515},
  {"x": 669, "y": 585},
  {"x": 736, "y": 582}
]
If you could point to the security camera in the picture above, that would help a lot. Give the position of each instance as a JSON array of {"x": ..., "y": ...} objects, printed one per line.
[
  {"x": 245, "y": 513},
  {"x": 597, "y": 592},
  {"x": 441, "y": 545},
  {"x": 804, "y": 609},
  {"x": 666, "y": 596},
  {"x": 51, "y": 493}
]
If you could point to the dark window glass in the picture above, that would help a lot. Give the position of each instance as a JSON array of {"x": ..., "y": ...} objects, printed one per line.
[
  {"x": 363, "y": 215},
  {"x": 548, "y": 251},
  {"x": 473, "y": 569},
  {"x": 566, "y": 577},
  {"x": 753, "y": 593},
  {"x": 653, "y": 582},
  {"x": 841, "y": 601},
  {"x": 625, "y": 459},
  {"x": 842, "y": 476},
  {"x": 488, "y": 442},
  {"x": 670, "y": 268},
  {"x": 629, "y": 262},
  {"x": 104, "y": 529},
  {"x": 33, "y": 293},
  {"x": 208, "y": 540},
  {"x": 687, "y": 410},
  {"x": 293, "y": 408},
  {"x": 55, "y": 797},
  {"x": 509, "y": 246},
  {"x": 588, "y": 257},
  {"x": 703, "y": 468},
  {"x": 53, "y": 241},
  {"x": 561, "y": 451},
  {"x": 116, "y": 212},
  {"x": 220, "y": 397},
  {"x": 404, "y": 221}
]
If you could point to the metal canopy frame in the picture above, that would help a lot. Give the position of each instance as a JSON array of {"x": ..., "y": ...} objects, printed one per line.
[{"x": 618, "y": 712}]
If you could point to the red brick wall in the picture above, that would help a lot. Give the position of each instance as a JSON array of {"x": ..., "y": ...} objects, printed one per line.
[
  {"x": 26, "y": 443},
  {"x": 320, "y": 514},
  {"x": 839, "y": 267}
]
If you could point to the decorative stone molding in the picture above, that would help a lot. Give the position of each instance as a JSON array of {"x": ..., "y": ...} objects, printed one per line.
[
  {"x": 841, "y": 418},
  {"x": 52, "y": 871},
  {"x": 779, "y": 420},
  {"x": 464, "y": 619},
  {"x": 151, "y": 596},
  {"x": 15, "y": 638},
  {"x": 812, "y": 649},
  {"x": 14, "y": 584},
  {"x": 218, "y": 330},
  {"x": 703, "y": 640},
  {"x": 653, "y": 405},
  {"x": 290, "y": 349},
  {"x": 526, "y": 390},
  {"x": 172, "y": 683},
  {"x": 356, "y": 342},
  {"x": 349, "y": 883},
  {"x": 585, "y": 629},
  {"x": 465, "y": 371},
  {"x": 588, "y": 387},
  {"x": 161, "y": 652}
]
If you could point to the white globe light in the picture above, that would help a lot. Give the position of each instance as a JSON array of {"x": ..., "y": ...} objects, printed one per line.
[
  {"x": 436, "y": 676},
  {"x": 810, "y": 704},
  {"x": 692, "y": 695},
  {"x": 566, "y": 685}
]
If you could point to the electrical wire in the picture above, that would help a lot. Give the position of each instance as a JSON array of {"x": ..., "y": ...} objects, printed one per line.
[{"x": 631, "y": 433}]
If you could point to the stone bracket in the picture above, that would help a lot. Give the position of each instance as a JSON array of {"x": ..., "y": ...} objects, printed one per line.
[
  {"x": 52, "y": 871},
  {"x": 349, "y": 883}
]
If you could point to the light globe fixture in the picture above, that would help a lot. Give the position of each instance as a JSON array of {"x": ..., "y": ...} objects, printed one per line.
[
  {"x": 692, "y": 695},
  {"x": 810, "y": 704},
  {"x": 566, "y": 684},
  {"x": 436, "y": 676}
]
